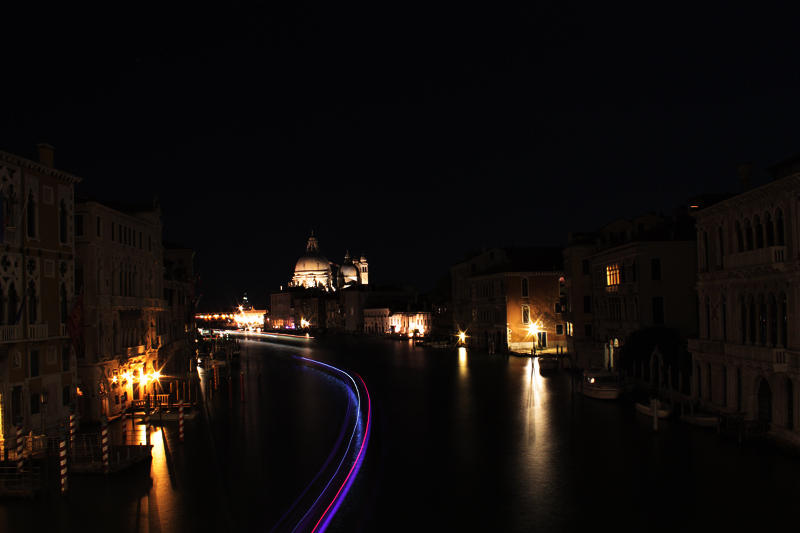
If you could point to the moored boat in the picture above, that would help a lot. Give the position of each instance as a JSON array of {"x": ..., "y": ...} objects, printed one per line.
[
  {"x": 663, "y": 410},
  {"x": 701, "y": 419},
  {"x": 601, "y": 385},
  {"x": 547, "y": 363}
]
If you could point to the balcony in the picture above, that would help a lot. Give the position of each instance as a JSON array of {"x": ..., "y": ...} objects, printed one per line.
[
  {"x": 773, "y": 256},
  {"x": 779, "y": 359},
  {"x": 133, "y": 351},
  {"x": 38, "y": 331},
  {"x": 10, "y": 333}
]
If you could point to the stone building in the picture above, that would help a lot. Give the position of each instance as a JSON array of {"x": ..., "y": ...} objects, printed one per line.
[
  {"x": 747, "y": 355},
  {"x": 631, "y": 275},
  {"x": 37, "y": 294},
  {"x": 510, "y": 299},
  {"x": 179, "y": 295},
  {"x": 120, "y": 264}
]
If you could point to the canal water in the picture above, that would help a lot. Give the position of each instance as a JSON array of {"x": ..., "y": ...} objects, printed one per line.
[{"x": 460, "y": 441}]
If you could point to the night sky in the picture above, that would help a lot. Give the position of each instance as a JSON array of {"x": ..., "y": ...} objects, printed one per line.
[{"x": 411, "y": 134}]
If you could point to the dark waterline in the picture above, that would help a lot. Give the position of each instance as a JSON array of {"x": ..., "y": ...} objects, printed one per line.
[{"x": 460, "y": 441}]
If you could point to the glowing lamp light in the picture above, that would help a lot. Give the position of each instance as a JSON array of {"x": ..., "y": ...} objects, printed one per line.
[
  {"x": 156, "y": 375},
  {"x": 114, "y": 379},
  {"x": 462, "y": 336},
  {"x": 591, "y": 380},
  {"x": 304, "y": 323},
  {"x": 533, "y": 328},
  {"x": 79, "y": 391}
]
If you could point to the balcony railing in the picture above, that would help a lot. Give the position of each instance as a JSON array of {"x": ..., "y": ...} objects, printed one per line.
[
  {"x": 38, "y": 331},
  {"x": 133, "y": 351},
  {"x": 10, "y": 333},
  {"x": 771, "y": 256}
]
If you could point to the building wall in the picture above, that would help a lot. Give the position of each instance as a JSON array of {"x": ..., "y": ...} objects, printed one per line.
[
  {"x": 36, "y": 296},
  {"x": 120, "y": 259},
  {"x": 580, "y": 306},
  {"x": 281, "y": 314},
  {"x": 544, "y": 308},
  {"x": 748, "y": 297}
]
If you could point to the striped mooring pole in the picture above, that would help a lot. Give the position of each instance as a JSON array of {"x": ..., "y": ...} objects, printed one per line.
[
  {"x": 104, "y": 444},
  {"x": 72, "y": 429},
  {"x": 19, "y": 448},
  {"x": 180, "y": 422},
  {"x": 62, "y": 456},
  {"x": 147, "y": 427}
]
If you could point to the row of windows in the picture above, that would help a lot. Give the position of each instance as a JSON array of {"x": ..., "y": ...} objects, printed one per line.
[
  {"x": 615, "y": 308},
  {"x": 616, "y": 273},
  {"x": 763, "y": 319},
  {"x": 34, "y": 360}
]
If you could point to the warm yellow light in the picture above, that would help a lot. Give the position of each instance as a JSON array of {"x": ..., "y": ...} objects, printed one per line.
[
  {"x": 157, "y": 375},
  {"x": 114, "y": 379},
  {"x": 304, "y": 323},
  {"x": 533, "y": 328},
  {"x": 127, "y": 376},
  {"x": 462, "y": 336}
]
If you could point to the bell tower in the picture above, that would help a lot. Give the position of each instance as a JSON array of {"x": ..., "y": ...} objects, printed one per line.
[{"x": 363, "y": 270}]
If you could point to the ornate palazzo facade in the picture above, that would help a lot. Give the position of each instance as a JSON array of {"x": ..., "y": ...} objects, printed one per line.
[{"x": 747, "y": 357}]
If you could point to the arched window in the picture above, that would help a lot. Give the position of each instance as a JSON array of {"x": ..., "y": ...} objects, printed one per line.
[
  {"x": 779, "y": 227},
  {"x": 708, "y": 317},
  {"x": 759, "y": 229},
  {"x": 743, "y": 308},
  {"x": 31, "y": 220},
  {"x": 724, "y": 316},
  {"x": 748, "y": 234},
  {"x": 751, "y": 337},
  {"x": 739, "y": 238},
  {"x": 13, "y": 305},
  {"x": 773, "y": 320},
  {"x": 770, "y": 229},
  {"x": 762, "y": 320},
  {"x": 62, "y": 222},
  {"x": 63, "y": 301},
  {"x": 783, "y": 319},
  {"x": 33, "y": 315}
]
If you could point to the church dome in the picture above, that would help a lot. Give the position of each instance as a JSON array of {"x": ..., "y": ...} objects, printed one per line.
[
  {"x": 349, "y": 271},
  {"x": 311, "y": 263}
]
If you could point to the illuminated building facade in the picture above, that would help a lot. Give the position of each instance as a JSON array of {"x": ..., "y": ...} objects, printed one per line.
[
  {"x": 121, "y": 275},
  {"x": 510, "y": 299},
  {"x": 630, "y": 275},
  {"x": 383, "y": 321},
  {"x": 747, "y": 355},
  {"x": 37, "y": 279}
]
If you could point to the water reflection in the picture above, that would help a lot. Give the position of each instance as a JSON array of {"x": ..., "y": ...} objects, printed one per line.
[{"x": 463, "y": 370}]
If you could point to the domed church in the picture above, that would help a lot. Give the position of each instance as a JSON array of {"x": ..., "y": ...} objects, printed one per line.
[{"x": 313, "y": 270}]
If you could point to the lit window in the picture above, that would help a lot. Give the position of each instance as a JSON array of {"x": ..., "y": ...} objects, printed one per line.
[
  {"x": 612, "y": 275},
  {"x": 526, "y": 314}
]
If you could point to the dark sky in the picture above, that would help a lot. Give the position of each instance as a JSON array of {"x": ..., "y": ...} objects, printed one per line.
[{"x": 411, "y": 133}]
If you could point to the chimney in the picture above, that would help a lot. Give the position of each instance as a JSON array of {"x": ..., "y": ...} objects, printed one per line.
[
  {"x": 46, "y": 154},
  {"x": 745, "y": 171}
]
